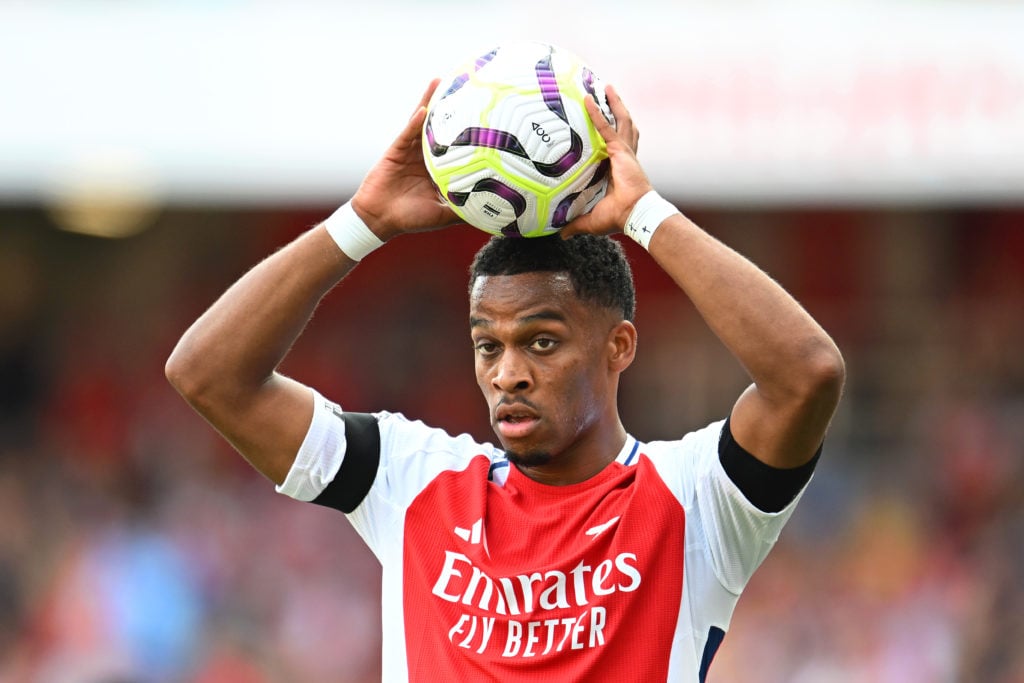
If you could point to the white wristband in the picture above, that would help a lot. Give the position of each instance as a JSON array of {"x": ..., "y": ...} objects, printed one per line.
[
  {"x": 648, "y": 213},
  {"x": 350, "y": 233}
]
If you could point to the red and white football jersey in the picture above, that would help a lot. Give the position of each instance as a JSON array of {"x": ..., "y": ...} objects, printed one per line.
[{"x": 631, "y": 575}]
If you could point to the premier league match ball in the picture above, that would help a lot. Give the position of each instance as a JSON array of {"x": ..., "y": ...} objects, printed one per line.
[{"x": 509, "y": 144}]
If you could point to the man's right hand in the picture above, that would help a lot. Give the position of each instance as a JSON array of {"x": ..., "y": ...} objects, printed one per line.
[{"x": 397, "y": 195}]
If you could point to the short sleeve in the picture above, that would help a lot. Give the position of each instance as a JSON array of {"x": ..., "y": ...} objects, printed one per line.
[
  {"x": 320, "y": 455},
  {"x": 735, "y": 533},
  {"x": 372, "y": 466}
]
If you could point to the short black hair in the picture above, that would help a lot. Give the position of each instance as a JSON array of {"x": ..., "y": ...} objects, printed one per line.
[{"x": 596, "y": 265}]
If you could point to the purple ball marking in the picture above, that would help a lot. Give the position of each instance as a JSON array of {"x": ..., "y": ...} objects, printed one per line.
[
  {"x": 458, "y": 198},
  {"x": 492, "y": 139},
  {"x": 588, "y": 85},
  {"x": 599, "y": 173},
  {"x": 566, "y": 161},
  {"x": 561, "y": 215},
  {"x": 496, "y": 187},
  {"x": 457, "y": 83},
  {"x": 483, "y": 60},
  {"x": 507, "y": 142},
  {"x": 436, "y": 149},
  {"x": 462, "y": 79},
  {"x": 502, "y": 190},
  {"x": 588, "y": 82},
  {"x": 511, "y": 230},
  {"x": 549, "y": 87},
  {"x": 553, "y": 101}
]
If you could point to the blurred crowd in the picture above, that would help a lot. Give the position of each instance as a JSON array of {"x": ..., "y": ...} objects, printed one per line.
[{"x": 137, "y": 547}]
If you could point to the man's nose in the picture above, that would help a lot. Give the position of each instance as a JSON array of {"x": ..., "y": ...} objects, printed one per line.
[{"x": 512, "y": 373}]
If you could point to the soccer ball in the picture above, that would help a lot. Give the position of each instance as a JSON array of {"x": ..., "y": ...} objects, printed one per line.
[{"x": 509, "y": 144}]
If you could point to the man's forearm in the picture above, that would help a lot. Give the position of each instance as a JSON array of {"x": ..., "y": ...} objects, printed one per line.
[
  {"x": 760, "y": 323},
  {"x": 224, "y": 365},
  {"x": 239, "y": 341},
  {"x": 796, "y": 368}
]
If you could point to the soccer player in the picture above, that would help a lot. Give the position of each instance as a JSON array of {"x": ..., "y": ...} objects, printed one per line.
[{"x": 574, "y": 551}]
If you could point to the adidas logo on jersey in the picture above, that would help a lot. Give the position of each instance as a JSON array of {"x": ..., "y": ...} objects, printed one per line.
[{"x": 473, "y": 534}]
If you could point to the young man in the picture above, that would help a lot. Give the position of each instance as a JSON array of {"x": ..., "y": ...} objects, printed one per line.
[{"x": 574, "y": 552}]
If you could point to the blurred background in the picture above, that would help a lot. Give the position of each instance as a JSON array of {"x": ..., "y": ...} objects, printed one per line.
[{"x": 870, "y": 156}]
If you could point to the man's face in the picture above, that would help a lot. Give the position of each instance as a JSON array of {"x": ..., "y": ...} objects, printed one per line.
[{"x": 541, "y": 362}]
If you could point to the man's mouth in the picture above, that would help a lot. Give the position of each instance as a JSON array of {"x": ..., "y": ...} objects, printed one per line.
[
  {"x": 516, "y": 426},
  {"x": 515, "y": 421}
]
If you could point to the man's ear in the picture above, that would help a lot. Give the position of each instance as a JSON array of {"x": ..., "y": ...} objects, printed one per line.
[{"x": 622, "y": 346}]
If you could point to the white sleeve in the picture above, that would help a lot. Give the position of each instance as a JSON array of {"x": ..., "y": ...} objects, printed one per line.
[
  {"x": 320, "y": 455},
  {"x": 410, "y": 455},
  {"x": 736, "y": 534}
]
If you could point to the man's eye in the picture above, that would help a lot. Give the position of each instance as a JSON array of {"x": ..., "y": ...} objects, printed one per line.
[
  {"x": 485, "y": 348},
  {"x": 543, "y": 344}
]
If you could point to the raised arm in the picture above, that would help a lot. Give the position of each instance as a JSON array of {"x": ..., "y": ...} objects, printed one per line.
[
  {"x": 797, "y": 371},
  {"x": 225, "y": 364}
]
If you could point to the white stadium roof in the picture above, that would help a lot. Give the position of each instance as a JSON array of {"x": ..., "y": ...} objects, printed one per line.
[{"x": 253, "y": 102}]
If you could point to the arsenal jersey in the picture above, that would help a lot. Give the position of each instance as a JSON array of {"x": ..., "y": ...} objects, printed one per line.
[{"x": 631, "y": 575}]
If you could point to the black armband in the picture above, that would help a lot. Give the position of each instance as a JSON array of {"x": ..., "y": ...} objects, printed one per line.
[
  {"x": 769, "y": 489},
  {"x": 358, "y": 467}
]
